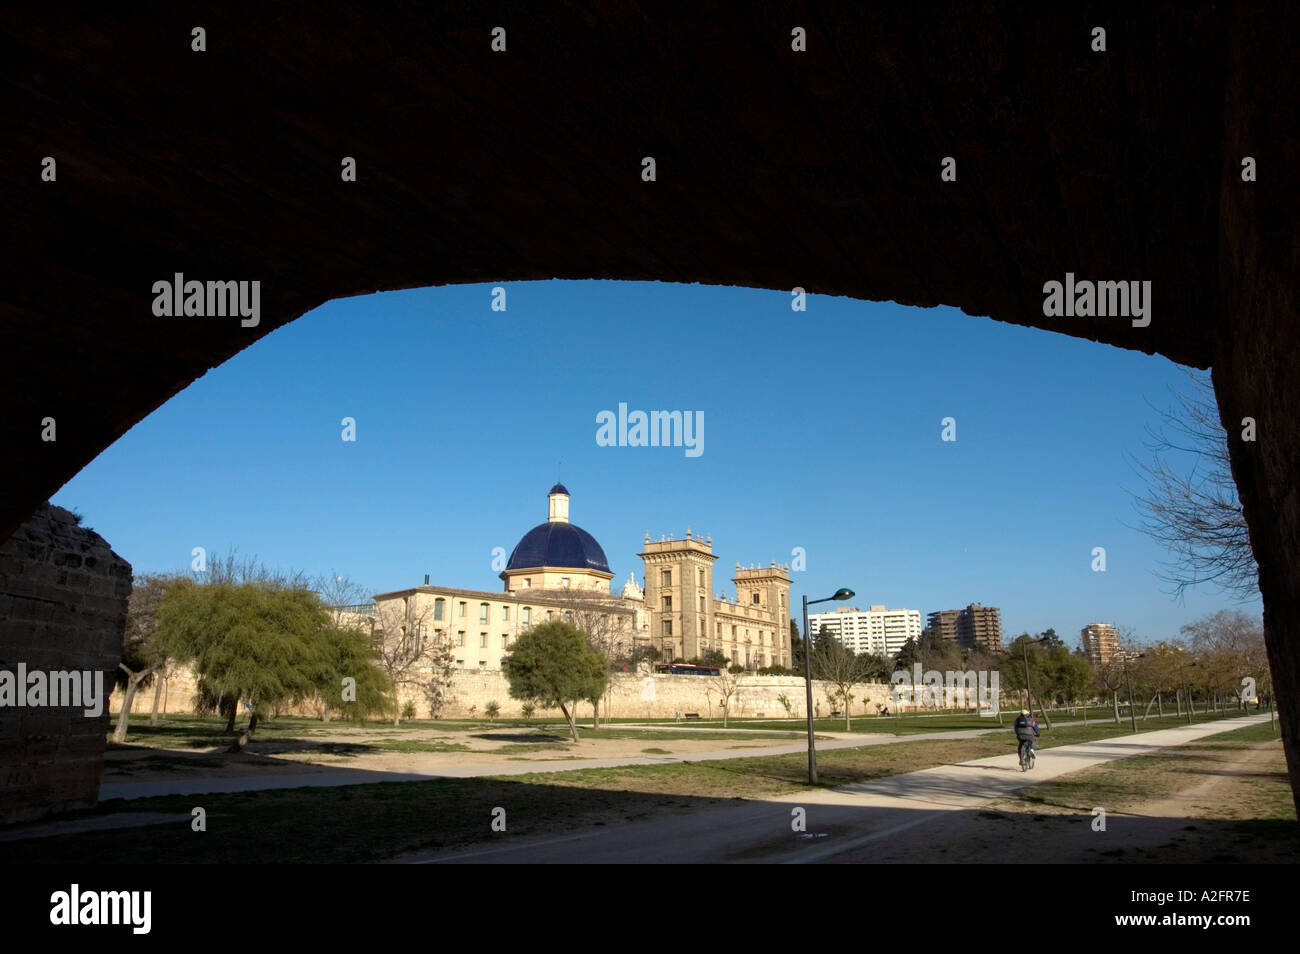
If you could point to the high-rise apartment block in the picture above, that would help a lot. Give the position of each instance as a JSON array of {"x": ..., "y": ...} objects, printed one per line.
[
  {"x": 975, "y": 625},
  {"x": 1100, "y": 642},
  {"x": 879, "y": 631}
]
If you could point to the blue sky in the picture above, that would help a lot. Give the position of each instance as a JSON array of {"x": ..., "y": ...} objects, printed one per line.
[{"x": 821, "y": 431}]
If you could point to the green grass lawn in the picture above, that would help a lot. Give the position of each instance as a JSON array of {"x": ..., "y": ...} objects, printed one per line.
[{"x": 375, "y": 822}]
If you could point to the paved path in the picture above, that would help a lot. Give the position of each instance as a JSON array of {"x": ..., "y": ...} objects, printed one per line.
[
  {"x": 342, "y": 777},
  {"x": 839, "y": 820}
]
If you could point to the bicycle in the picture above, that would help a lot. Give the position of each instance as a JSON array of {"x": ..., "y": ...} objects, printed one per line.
[{"x": 1026, "y": 756}]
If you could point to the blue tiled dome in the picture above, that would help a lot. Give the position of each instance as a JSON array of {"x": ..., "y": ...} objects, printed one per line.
[
  {"x": 558, "y": 544},
  {"x": 558, "y": 489}
]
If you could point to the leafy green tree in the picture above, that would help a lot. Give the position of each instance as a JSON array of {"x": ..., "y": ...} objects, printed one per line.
[
  {"x": 346, "y": 652},
  {"x": 1072, "y": 676},
  {"x": 552, "y": 664},
  {"x": 1050, "y": 640},
  {"x": 713, "y": 657},
  {"x": 248, "y": 641},
  {"x": 878, "y": 667}
]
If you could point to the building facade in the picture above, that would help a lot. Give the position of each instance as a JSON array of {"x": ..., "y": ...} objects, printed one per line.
[
  {"x": 558, "y": 570},
  {"x": 943, "y": 623},
  {"x": 975, "y": 625},
  {"x": 1100, "y": 643},
  {"x": 878, "y": 631}
]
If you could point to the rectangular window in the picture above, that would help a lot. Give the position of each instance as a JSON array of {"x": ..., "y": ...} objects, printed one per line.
[
  {"x": 437, "y": 609},
  {"x": 701, "y": 577},
  {"x": 668, "y": 627},
  {"x": 460, "y": 638},
  {"x": 668, "y": 604},
  {"x": 504, "y": 639},
  {"x": 755, "y": 597},
  {"x": 482, "y": 640},
  {"x": 505, "y": 614},
  {"x": 528, "y": 612},
  {"x": 527, "y": 582},
  {"x": 668, "y": 577},
  {"x": 482, "y": 612},
  {"x": 701, "y": 604},
  {"x": 564, "y": 582},
  {"x": 461, "y": 611}
]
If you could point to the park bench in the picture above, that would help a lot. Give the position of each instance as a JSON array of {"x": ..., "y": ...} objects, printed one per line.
[{"x": 691, "y": 715}]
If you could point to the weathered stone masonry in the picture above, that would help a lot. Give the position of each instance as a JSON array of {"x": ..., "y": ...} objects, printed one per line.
[{"x": 63, "y": 595}]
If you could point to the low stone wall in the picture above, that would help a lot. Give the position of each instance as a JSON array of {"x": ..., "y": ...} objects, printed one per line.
[
  {"x": 63, "y": 596},
  {"x": 630, "y": 696}
]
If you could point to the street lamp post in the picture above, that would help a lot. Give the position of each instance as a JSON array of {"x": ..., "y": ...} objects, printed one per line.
[
  {"x": 1024, "y": 646},
  {"x": 840, "y": 594}
]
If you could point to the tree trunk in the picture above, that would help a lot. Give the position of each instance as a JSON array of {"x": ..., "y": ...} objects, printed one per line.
[
  {"x": 133, "y": 680},
  {"x": 573, "y": 728},
  {"x": 595, "y": 714},
  {"x": 157, "y": 697},
  {"x": 232, "y": 710},
  {"x": 252, "y": 723},
  {"x": 847, "y": 726},
  {"x": 1178, "y": 701},
  {"x": 1160, "y": 705},
  {"x": 1114, "y": 701},
  {"x": 124, "y": 717}
]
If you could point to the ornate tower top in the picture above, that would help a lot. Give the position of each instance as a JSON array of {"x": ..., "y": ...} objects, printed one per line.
[{"x": 558, "y": 504}]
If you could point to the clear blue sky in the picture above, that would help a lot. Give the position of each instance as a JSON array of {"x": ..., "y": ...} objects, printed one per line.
[{"x": 822, "y": 431}]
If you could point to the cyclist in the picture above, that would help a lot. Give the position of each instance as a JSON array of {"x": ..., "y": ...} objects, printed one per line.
[{"x": 1026, "y": 732}]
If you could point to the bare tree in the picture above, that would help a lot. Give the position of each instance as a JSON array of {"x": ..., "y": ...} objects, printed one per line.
[
  {"x": 1191, "y": 506},
  {"x": 843, "y": 669},
  {"x": 142, "y": 659},
  {"x": 342, "y": 596},
  {"x": 409, "y": 651},
  {"x": 726, "y": 684},
  {"x": 1229, "y": 647}
]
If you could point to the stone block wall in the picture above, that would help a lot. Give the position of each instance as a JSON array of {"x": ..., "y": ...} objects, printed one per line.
[
  {"x": 630, "y": 696},
  {"x": 63, "y": 595}
]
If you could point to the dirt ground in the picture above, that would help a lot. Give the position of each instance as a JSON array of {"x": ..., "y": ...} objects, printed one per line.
[
  {"x": 1196, "y": 822},
  {"x": 362, "y": 750}
]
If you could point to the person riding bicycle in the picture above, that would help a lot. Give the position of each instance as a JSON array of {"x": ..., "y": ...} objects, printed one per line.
[{"x": 1026, "y": 731}]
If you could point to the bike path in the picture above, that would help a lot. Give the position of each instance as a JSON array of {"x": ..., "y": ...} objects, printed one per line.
[{"x": 836, "y": 820}]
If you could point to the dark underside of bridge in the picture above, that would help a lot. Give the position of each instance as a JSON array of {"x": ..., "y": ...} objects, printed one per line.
[{"x": 774, "y": 168}]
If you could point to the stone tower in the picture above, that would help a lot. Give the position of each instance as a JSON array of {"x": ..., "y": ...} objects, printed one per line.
[
  {"x": 679, "y": 593},
  {"x": 768, "y": 589}
]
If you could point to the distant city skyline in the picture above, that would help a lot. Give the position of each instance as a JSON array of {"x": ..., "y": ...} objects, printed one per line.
[{"x": 823, "y": 448}]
